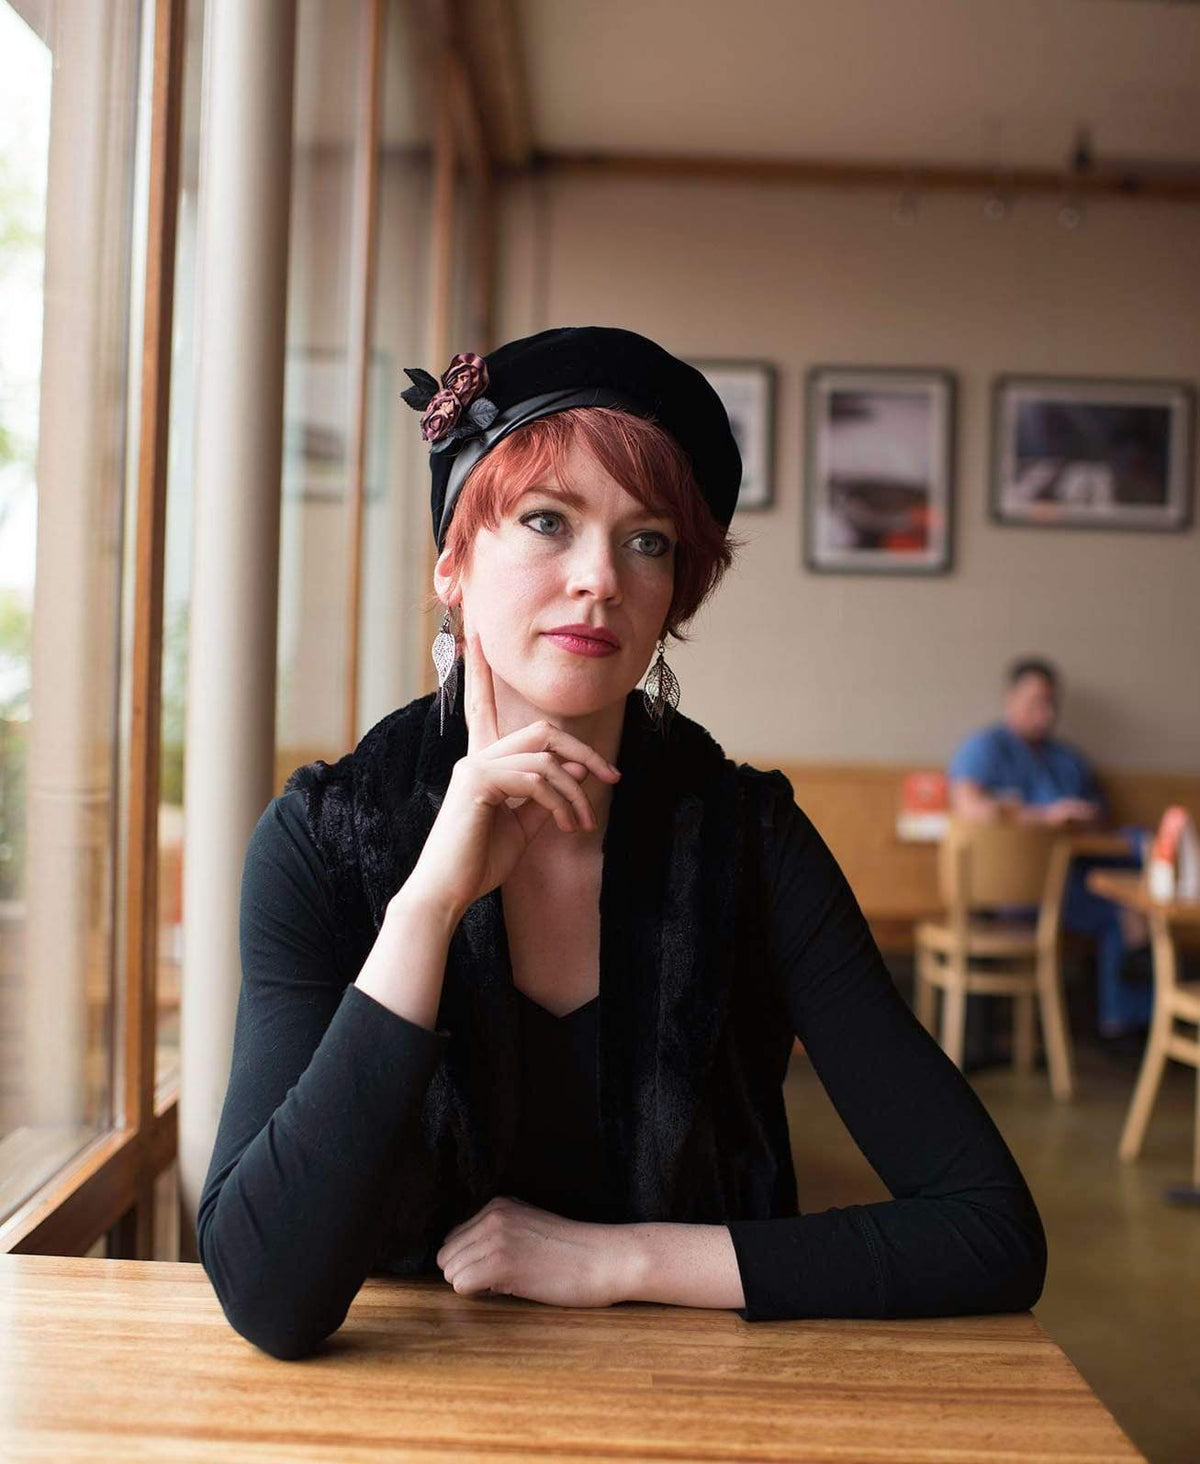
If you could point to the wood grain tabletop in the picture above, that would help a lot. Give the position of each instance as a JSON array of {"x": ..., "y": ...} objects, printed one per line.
[
  {"x": 134, "y": 1360},
  {"x": 1130, "y": 889},
  {"x": 1097, "y": 843}
]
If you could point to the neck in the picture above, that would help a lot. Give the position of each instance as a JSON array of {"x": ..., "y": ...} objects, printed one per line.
[{"x": 1032, "y": 741}]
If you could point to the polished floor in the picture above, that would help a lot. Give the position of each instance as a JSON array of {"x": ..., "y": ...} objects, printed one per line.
[{"x": 1122, "y": 1294}]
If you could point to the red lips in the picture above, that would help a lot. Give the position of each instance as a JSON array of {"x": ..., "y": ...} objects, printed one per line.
[{"x": 589, "y": 632}]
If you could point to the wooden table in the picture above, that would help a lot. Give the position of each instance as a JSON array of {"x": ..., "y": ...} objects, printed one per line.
[
  {"x": 1097, "y": 843},
  {"x": 1174, "y": 1001},
  {"x": 134, "y": 1360}
]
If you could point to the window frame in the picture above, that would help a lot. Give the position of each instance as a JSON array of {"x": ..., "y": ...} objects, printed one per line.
[{"x": 109, "y": 1186}]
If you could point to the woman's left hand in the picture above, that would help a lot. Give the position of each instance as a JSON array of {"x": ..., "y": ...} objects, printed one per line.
[{"x": 514, "y": 1249}]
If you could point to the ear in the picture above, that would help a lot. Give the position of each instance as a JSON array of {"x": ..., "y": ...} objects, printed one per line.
[{"x": 445, "y": 579}]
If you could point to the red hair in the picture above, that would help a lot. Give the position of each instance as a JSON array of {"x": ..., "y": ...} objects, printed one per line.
[{"x": 644, "y": 459}]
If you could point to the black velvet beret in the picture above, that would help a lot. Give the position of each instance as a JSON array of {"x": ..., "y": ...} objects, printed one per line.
[{"x": 480, "y": 400}]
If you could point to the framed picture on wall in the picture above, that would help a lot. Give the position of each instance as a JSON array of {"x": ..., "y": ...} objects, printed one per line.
[
  {"x": 747, "y": 391},
  {"x": 879, "y": 484},
  {"x": 1091, "y": 453},
  {"x": 316, "y": 412}
]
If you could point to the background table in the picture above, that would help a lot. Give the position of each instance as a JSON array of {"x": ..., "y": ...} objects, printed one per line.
[{"x": 134, "y": 1360}]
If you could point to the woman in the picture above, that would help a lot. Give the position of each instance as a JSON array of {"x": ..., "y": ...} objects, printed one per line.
[{"x": 522, "y": 975}]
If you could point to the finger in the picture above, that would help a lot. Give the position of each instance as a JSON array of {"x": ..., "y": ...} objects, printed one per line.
[
  {"x": 472, "y": 1248},
  {"x": 577, "y": 770},
  {"x": 544, "y": 736},
  {"x": 469, "y": 1238},
  {"x": 533, "y": 819},
  {"x": 518, "y": 784},
  {"x": 481, "y": 697},
  {"x": 451, "y": 1250},
  {"x": 493, "y": 1204},
  {"x": 481, "y": 1275},
  {"x": 473, "y": 1220},
  {"x": 546, "y": 764},
  {"x": 454, "y": 1241}
]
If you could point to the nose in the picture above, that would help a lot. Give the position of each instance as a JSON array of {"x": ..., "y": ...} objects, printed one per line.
[{"x": 593, "y": 569}]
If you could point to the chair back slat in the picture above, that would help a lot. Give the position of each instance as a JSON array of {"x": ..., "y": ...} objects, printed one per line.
[{"x": 985, "y": 865}]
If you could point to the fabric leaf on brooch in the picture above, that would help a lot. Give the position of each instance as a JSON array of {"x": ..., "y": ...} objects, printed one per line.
[
  {"x": 424, "y": 388},
  {"x": 482, "y": 412}
]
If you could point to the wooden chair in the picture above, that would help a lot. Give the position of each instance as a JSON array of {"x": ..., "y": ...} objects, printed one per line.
[
  {"x": 986, "y": 866},
  {"x": 1174, "y": 1001}
]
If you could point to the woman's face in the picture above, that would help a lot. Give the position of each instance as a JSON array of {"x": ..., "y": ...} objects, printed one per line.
[{"x": 585, "y": 555}]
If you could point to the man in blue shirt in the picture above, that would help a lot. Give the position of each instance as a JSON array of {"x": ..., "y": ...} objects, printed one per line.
[{"x": 1017, "y": 762}]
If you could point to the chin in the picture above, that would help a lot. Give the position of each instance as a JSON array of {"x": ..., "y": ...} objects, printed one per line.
[
  {"x": 579, "y": 695},
  {"x": 576, "y": 702}
]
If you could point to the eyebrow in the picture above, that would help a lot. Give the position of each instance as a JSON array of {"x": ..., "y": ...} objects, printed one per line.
[{"x": 574, "y": 500}]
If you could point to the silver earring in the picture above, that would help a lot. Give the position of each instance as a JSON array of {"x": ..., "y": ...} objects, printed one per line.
[
  {"x": 445, "y": 661},
  {"x": 660, "y": 693}
]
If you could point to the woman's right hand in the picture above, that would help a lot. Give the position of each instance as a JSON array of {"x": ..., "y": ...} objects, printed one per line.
[{"x": 500, "y": 796}]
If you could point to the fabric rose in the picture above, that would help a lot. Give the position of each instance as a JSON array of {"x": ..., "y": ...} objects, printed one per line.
[
  {"x": 466, "y": 376},
  {"x": 453, "y": 409},
  {"x": 441, "y": 414}
]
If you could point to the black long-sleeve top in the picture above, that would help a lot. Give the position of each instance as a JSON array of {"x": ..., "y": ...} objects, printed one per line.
[{"x": 319, "y": 1134}]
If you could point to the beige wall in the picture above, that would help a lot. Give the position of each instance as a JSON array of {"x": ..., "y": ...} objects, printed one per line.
[{"x": 788, "y": 665}]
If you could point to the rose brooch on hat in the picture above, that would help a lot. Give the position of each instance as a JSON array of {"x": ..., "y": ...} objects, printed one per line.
[{"x": 454, "y": 408}]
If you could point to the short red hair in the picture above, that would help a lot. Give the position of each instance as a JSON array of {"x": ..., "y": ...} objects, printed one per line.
[{"x": 644, "y": 459}]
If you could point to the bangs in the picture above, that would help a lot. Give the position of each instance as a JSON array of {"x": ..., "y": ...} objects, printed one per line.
[{"x": 639, "y": 461}]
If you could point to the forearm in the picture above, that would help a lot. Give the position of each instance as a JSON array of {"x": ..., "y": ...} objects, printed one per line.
[
  {"x": 971, "y": 800},
  {"x": 290, "y": 1222},
  {"x": 682, "y": 1265},
  {"x": 920, "y": 1256},
  {"x": 407, "y": 964},
  {"x": 319, "y": 1147}
]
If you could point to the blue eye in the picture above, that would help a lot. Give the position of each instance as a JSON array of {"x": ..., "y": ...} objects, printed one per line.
[
  {"x": 661, "y": 544},
  {"x": 539, "y": 514},
  {"x": 664, "y": 544}
]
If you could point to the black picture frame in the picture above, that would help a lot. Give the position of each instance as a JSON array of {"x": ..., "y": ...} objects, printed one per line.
[
  {"x": 748, "y": 389},
  {"x": 896, "y": 476},
  {"x": 1124, "y": 458}
]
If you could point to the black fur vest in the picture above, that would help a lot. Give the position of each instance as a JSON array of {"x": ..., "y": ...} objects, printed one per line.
[{"x": 694, "y": 1034}]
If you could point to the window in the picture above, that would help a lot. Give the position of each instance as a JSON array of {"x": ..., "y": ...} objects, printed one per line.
[
  {"x": 74, "y": 102},
  {"x": 98, "y": 104}
]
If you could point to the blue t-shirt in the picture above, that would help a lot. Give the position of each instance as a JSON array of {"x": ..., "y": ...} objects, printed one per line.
[{"x": 1002, "y": 762}]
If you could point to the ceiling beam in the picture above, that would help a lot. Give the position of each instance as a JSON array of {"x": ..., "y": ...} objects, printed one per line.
[{"x": 1103, "y": 179}]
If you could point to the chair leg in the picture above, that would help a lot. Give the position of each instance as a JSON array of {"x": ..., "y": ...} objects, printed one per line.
[
  {"x": 1155, "y": 1060},
  {"x": 1054, "y": 1027},
  {"x": 1196, "y": 1135},
  {"x": 926, "y": 993},
  {"x": 954, "y": 1014},
  {"x": 1023, "y": 1032},
  {"x": 1153, "y": 1065}
]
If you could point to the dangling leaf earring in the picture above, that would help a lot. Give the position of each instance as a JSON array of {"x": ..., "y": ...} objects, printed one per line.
[
  {"x": 660, "y": 692},
  {"x": 445, "y": 661}
]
